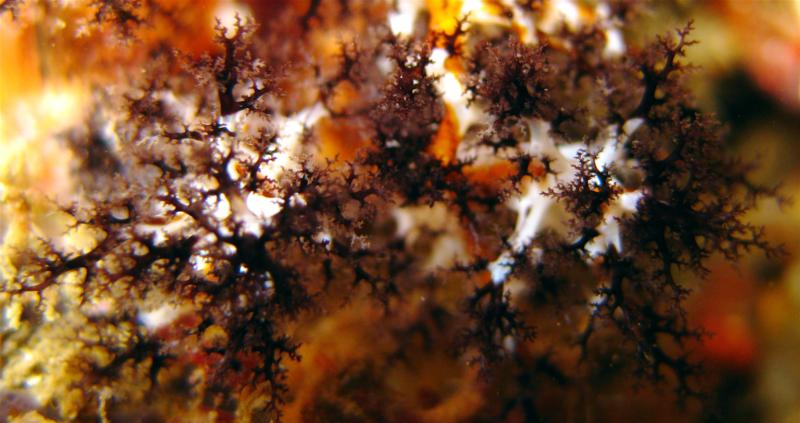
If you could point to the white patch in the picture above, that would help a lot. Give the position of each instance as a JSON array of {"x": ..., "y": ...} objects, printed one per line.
[
  {"x": 159, "y": 317},
  {"x": 263, "y": 207},
  {"x": 608, "y": 155},
  {"x": 401, "y": 21},
  {"x": 454, "y": 93},
  {"x": 501, "y": 268},
  {"x": 323, "y": 238},
  {"x": 631, "y": 125},
  {"x": 532, "y": 209},
  {"x": 478, "y": 13},
  {"x": 509, "y": 344},
  {"x": 615, "y": 43},
  {"x": 404, "y": 221},
  {"x": 629, "y": 200},
  {"x": 228, "y": 12},
  {"x": 291, "y": 130},
  {"x": 569, "y": 12}
]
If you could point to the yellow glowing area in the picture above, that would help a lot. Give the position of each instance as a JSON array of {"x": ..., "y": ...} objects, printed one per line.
[
  {"x": 19, "y": 62},
  {"x": 444, "y": 15},
  {"x": 26, "y": 131}
]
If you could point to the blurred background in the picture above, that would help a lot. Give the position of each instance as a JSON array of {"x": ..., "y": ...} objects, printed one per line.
[{"x": 748, "y": 72}]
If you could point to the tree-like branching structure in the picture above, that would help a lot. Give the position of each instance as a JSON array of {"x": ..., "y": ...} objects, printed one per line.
[{"x": 568, "y": 179}]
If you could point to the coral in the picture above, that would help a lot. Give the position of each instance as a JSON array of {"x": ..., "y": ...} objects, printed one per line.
[{"x": 437, "y": 186}]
